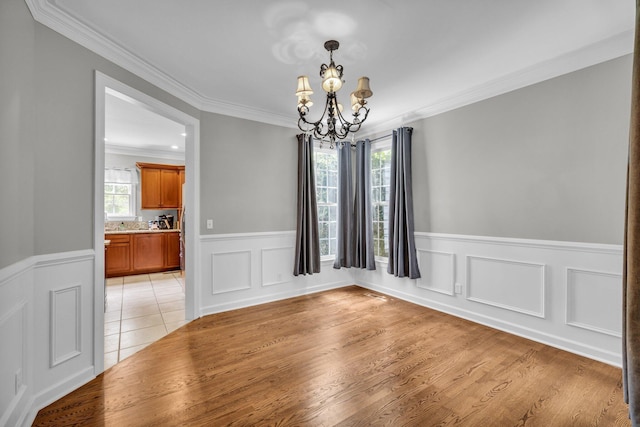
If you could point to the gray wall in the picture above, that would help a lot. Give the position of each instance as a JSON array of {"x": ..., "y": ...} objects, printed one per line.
[
  {"x": 17, "y": 55},
  {"x": 544, "y": 162},
  {"x": 248, "y": 175},
  {"x": 64, "y": 143}
]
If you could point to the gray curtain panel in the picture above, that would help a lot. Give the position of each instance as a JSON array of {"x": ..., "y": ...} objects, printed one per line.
[
  {"x": 363, "y": 256},
  {"x": 344, "y": 250},
  {"x": 307, "y": 255},
  {"x": 403, "y": 261},
  {"x": 631, "y": 256}
]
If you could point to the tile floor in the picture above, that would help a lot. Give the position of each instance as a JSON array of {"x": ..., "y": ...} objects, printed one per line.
[{"x": 141, "y": 309}]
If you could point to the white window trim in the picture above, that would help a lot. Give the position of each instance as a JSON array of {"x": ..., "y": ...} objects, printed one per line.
[
  {"x": 133, "y": 203},
  {"x": 324, "y": 148},
  {"x": 381, "y": 145}
]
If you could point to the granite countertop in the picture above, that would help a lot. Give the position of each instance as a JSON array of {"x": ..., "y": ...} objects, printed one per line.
[{"x": 140, "y": 231}]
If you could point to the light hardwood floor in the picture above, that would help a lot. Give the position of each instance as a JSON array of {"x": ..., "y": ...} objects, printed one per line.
[{"x": 347, "y": 357}]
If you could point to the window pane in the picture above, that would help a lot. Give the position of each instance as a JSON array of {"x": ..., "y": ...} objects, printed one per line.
[
  {"x": 324, "y": 247},
  {"x": 333, "y": 179},
  {"x": 321, "y": 195},
  {"x": 108, "y": 188},
  {"x": 121, "y": 189},
  {"x": 108, "y": 203},
  {"x": 383, "y": 193},
  {"x": 323, "y": 213},
  {"x": 333, "y": 213},
  {"x": 323, "y": 230},
  {"x": 321, "y": 178},
  {"x": 375, "y": 160},
  {"x": 375, "y": 177},
  {"x": 121, "y": 204},
  {"x": 333, "y": 195}
]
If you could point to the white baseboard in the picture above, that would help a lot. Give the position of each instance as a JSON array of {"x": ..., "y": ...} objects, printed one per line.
[
  {"x": 55, "y": 392},
  {"x": 263, "y": 299}
]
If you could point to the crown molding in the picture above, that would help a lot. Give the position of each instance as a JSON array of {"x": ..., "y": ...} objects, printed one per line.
[
  {"x": 48, "y": 14},
  {"x": 611, "y": 48}
]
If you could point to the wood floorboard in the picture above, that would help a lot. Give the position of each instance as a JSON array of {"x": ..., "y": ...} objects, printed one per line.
[{"x": 345, "y": 357}]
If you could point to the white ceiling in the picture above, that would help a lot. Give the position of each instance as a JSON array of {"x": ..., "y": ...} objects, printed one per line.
[
  {"x": 132, "y": 128},
  {"x": 241, "y": 58}
]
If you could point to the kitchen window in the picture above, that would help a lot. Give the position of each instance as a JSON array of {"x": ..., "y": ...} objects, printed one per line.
[{"x": 119, "y": 194}]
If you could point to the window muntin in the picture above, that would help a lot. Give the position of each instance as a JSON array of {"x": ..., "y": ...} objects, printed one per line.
[
  {"x": 326, "y": 169},
  {"x": 380, "y": 186}
]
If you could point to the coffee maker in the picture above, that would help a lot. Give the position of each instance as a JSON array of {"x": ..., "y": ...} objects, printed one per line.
[{"x": 165, "y": 222}]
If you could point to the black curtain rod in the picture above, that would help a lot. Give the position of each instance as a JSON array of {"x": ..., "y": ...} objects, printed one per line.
[
  {"x": 370, "y": 141},
  {"x": 380, "y": 137}
]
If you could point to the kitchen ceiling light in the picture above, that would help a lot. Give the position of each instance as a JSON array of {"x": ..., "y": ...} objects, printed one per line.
[{"x": 337, "y": 127}]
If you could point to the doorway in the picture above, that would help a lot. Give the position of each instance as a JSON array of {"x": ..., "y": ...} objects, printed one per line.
[{"x": 161, "y": 287}]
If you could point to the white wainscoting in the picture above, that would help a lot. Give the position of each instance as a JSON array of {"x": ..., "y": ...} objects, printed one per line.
[
  {"x": 16, "y": 349},
  {"x": 46, "y": 330},
  {"x": 564, "y": 294},
  {"x": 567, "y": 295},
  {"x": 240, "y": 270}
]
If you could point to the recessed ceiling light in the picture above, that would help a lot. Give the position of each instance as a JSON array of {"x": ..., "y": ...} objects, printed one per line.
[
  {"x": 183, "y": 134},
  {"x": 105, "y": 140},
  {"x": 175, "y": 147}
]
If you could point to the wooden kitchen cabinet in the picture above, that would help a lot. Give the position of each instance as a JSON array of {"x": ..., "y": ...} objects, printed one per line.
[
  {"x": 137, "y": 253},
  {"x": 160, "y": 186},
  {"x": 118, "y": 255},
  {"x": 172, "y": 259},
  {"x": 148, "y": 252}
]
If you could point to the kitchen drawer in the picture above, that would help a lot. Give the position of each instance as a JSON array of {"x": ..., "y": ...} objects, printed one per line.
[{"x": 118, "y": 238}]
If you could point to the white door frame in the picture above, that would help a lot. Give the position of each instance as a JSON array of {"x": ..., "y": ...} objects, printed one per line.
[{"x": 191, "y": 202}]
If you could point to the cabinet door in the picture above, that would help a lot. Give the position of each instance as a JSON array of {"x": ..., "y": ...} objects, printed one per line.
[
  {"x": 150, "y": 182},
  {"x": 173, "y": 250},
  {"x": 117, "y": 256},
  {"x": 169, "y": 184},
  {"x": 148, "y": 251}
]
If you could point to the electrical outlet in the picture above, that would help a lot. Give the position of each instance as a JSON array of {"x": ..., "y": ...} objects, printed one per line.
[
  {"x": 458, "y": 288},
  {"x": 209, "y": 224}
]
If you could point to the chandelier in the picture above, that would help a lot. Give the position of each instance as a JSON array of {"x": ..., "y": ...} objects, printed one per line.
[{"x": 332, "y": 125}]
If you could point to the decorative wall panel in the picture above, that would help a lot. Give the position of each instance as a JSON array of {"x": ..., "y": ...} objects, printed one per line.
[
  {"x": 65, "y": 324},
  {"x": 277, "y": 266},
  {"x": 512, "y": 285},
  {"x": 437, "y": 270},
  {"x": 231, "y": 271},
  {"x": 593, "y": 300}
]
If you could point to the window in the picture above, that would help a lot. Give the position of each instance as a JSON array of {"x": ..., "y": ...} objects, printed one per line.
[
  {"x": 118, "y": 199},
  {"x": 380, "y": 184},
  {"x": 326, "y": 164},
  {"x": 119, "y": 193}
]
